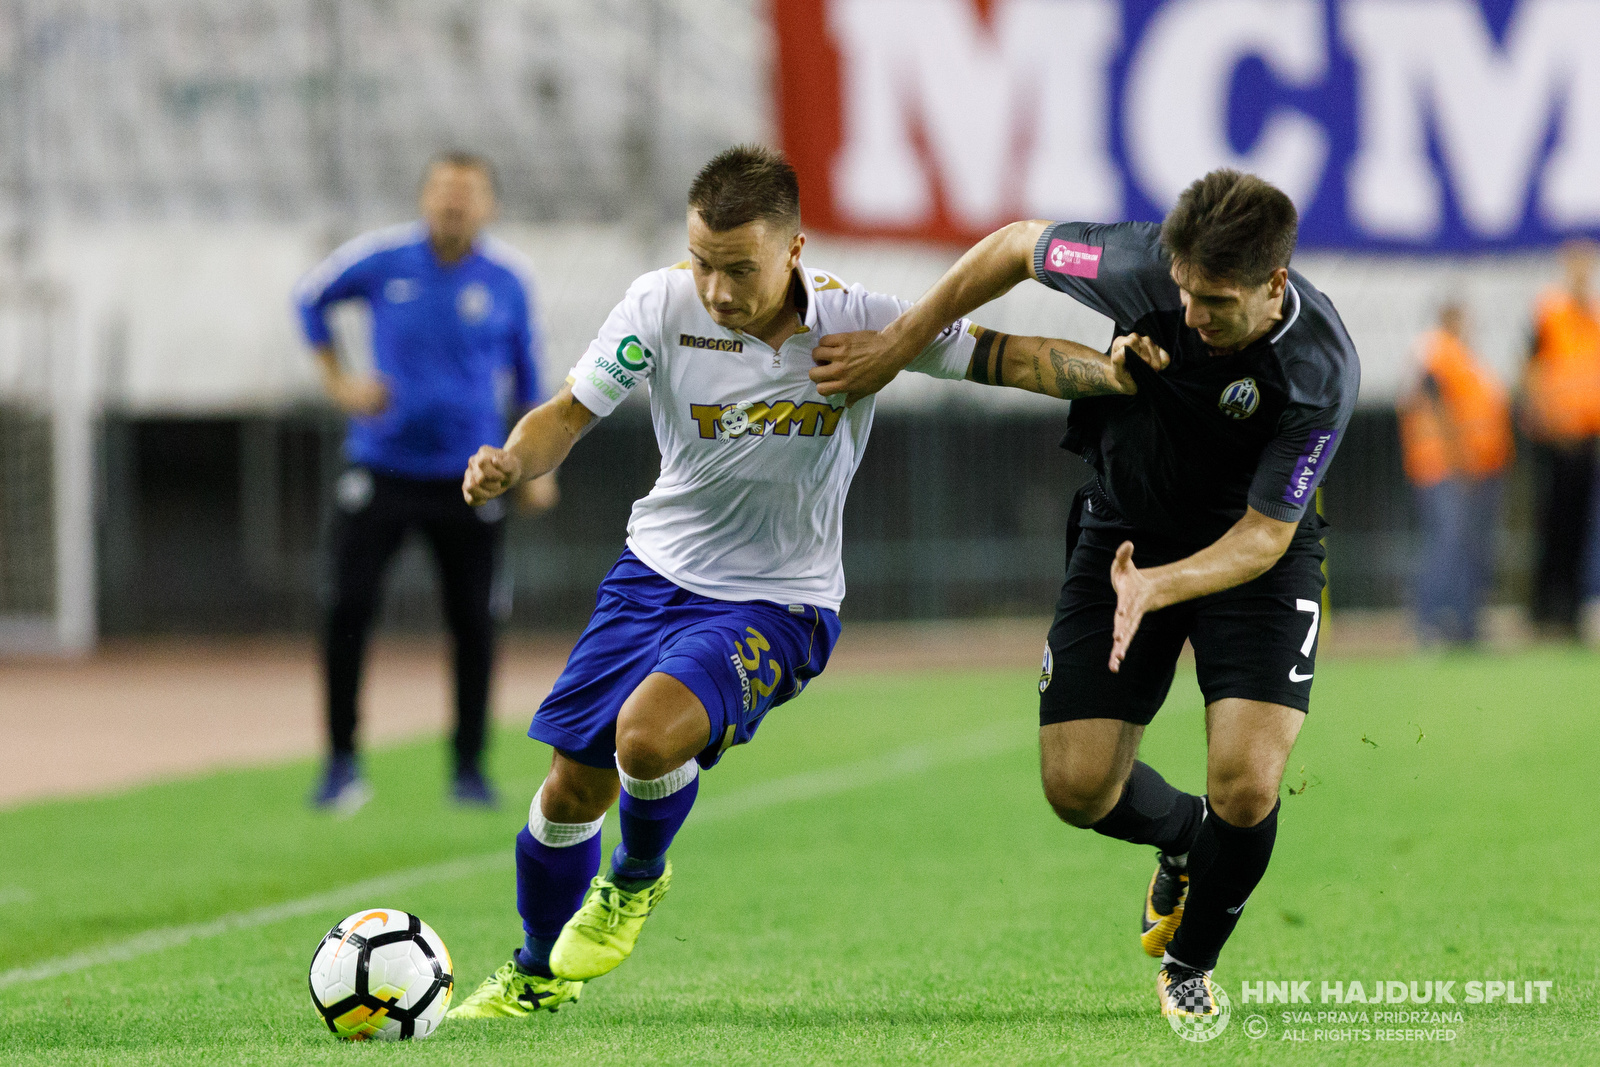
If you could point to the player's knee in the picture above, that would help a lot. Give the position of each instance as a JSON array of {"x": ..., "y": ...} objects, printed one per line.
[
  {"x": 576, "y": 797},
  {"x": 1242, "y": 800},
  {"x": 567, "y": 803},
  {"x": 644, "y": 754},
  {"x": 661, "y": 725},
  {"x": 1080, "y": 800}
]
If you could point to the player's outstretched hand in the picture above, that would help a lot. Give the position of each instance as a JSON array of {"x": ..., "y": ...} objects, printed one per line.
[
  {"x": 489, "y": 473},
  {"x": 855, "y": 364},
  {"x": 1133, "y": 600},
  {"x": 1154, "y": 356}
]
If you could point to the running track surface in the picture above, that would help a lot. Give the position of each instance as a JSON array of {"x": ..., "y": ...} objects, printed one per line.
[{"x": 142, "y": 711}]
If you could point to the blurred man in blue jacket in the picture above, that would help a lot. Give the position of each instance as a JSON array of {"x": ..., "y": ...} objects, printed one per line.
[{"x": 454, "y": 345}]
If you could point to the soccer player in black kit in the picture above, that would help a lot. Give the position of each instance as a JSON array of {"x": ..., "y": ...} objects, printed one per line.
[{"x": 1196, "y": 526}]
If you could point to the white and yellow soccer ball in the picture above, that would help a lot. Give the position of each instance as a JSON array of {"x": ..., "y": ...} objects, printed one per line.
[{"x": 381, "y": 973}]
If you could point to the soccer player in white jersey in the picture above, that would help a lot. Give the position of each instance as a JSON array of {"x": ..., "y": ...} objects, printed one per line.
[{"x": 724, "y": 604}]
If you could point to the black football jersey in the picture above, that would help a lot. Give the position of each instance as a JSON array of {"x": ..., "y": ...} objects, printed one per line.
[{"x": 1211, "y": 434}]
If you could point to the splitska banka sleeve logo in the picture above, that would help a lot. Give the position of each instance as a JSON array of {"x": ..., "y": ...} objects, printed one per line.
[
  {"x": 611, "y": 375},
  {"x": 632, "y": 353}
]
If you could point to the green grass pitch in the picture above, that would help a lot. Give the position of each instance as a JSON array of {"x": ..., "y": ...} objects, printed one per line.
[{"x": 876, "y": 879}]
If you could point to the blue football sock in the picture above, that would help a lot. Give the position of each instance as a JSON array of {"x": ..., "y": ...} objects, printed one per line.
[
  {"x": 650, "y": 814},
  {"x": 555, "y": 862},
  {"x": 534, "y": 955}
]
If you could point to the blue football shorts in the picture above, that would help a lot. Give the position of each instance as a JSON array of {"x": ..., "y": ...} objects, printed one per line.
[{"x": 741, "y": 658}]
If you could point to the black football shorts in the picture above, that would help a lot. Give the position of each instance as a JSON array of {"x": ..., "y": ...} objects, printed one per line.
[{"x": 1257, "y": 641}]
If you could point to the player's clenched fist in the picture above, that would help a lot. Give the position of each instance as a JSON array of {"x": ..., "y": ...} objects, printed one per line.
[
  {"x": 856, "y": 364},
  {"x": 489, "y": 473},
  {"x": 1153, "y": 354}
]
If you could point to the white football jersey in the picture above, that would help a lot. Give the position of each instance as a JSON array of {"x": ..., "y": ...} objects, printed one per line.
[{"x": 755, "y": 463}]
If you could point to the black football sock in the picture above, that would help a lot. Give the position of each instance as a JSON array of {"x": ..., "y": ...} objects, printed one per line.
[
  {"x": 1151, "y": 812},
  {"x": 1225, "y": 865}
]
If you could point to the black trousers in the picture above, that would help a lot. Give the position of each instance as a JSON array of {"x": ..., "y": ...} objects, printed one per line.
[
  {"x": 1567, "y": 478},
  {"x": 375, "y": 512}
]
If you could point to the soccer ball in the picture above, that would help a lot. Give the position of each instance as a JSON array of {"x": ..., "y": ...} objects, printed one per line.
[{"x": 381, "y": 973}]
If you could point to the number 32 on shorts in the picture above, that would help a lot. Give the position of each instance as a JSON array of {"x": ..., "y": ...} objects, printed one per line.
[
  {"x": 1315, "y": 610},
  {"x": 751, "y": 658}
]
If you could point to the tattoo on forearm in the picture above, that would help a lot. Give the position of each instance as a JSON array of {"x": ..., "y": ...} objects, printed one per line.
[
  {"x": 1071, "y": 376},
  {"x": 1075, "y": 376}
]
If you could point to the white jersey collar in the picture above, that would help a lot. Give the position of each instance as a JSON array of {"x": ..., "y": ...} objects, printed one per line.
[{"x": 1291, "y": 300}]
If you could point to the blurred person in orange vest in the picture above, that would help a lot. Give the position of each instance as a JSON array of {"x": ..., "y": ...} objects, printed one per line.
[
  {"x": 1455, "y": 433},
  {"x": 1561, "y": 415}
]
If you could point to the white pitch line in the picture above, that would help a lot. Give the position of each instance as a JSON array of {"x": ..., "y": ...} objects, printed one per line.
[
  {"x": 811, "y": 785},
  {"x": 833, "y": 780},
  {"x": 173, "y": 936}
]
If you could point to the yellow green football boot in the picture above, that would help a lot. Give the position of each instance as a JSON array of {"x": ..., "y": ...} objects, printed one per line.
[
  {"x": 510, "y": 993},
  {"x": 597, "y": 939}
]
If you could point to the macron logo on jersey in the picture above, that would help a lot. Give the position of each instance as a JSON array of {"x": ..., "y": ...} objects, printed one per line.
[
  {"x": 1070, "y": 257},
  {"x": 718, "y": 344},
  {"x": 1309, "y": 466}
]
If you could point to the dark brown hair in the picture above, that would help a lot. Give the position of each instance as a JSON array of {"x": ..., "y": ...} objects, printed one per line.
[
  {"x": 1233, "y": 227},
  {"x": 745, "y": 183},
  {"x": 465, "y": 160}
]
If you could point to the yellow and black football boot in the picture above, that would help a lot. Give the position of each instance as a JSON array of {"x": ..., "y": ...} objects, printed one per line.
[
  {"x": 1163, "y": 904},
  {"x": 1185, "y": 991}
]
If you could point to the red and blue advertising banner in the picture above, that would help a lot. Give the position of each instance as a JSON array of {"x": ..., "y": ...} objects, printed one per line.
[{"x": 1416, "y": 126}]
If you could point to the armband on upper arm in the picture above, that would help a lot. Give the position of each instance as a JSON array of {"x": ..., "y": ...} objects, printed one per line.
[{"x": 988, "y": 358}]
